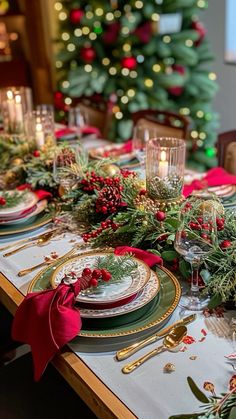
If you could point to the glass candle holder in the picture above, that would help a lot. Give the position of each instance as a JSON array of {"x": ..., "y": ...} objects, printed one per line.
[
  {"x": 165, "y": 163},
  {"x": 39, "y": 126},
  {"x": 15, "y": 102}
]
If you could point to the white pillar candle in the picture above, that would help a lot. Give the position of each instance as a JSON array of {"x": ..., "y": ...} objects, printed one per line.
[
  {"x": 11, "y": 106},
  {"x": 18, "y": 110},
  {"x": 39, "y": 135},
  {"x": 163, "y": 165}
]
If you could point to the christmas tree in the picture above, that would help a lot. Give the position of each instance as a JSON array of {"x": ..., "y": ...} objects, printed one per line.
[{"x": 137, "y": 55}]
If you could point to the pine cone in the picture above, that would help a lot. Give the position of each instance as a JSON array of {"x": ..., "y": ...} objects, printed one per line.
[
  {"x": 109, "y": 200},
  {"x": 66, "y": 157}
]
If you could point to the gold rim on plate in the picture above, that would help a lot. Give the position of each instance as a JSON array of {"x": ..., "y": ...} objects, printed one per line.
[{"x": 26, "y": 228}]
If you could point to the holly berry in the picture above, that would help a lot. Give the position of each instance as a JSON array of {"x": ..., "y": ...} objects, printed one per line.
[
  {"x": 205, "y": 236},
  {"x": 160, "y": 215},
  {"x": 93, "y": 282},
  {"x": 36, "y": 153},
  {"x": 225, "y": 243},
  {"x": 2, "y": 201},
  {"x": 96, "y": 273},
  {"x": 106, "y": 275},
  {"x": 86, "y": 272},
  {"x": 142, "y": 192}
]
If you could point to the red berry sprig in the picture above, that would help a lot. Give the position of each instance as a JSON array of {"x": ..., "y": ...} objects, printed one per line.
[
  {"x": 94, "y": 182},
  {"x": 103, "y": 226}
]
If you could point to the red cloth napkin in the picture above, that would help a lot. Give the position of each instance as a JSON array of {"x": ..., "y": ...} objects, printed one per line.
[
  {"x": 46, "y": 321},
  {"x": 86, "y": 130},
  {"x": 149, "y": 258},
  {"x": 41, "y": 193},
  {"x": 215, "y": 177}
]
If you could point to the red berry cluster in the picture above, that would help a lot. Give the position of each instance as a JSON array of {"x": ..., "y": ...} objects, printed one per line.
[
  {"x": 103, "y": 226},
  {"x": 220, "y": 222},
  {"x": 201, "y": 227},
  {"x": 126, "y": 173},
  {"x": 2, "y": 201},
  {"x": 91, "y": 277},
  {"x": 94, "y": 182}
]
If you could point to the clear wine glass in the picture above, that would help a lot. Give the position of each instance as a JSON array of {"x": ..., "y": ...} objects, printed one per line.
[
  {"x": 77, "y": 120},
  {"x": 141, "y": 135},
  {"x": 67, "y": 166},
  {"x": 195, "y": 239}
]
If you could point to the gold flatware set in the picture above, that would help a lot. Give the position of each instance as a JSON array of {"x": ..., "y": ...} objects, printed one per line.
[{"x": 173, "y": 336}]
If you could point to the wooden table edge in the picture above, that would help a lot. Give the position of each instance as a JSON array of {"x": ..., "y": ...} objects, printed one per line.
[{"x": 100, "y": 399}]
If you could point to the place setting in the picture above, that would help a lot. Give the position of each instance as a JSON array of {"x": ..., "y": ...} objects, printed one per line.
[{"x": 22, "y": 211}]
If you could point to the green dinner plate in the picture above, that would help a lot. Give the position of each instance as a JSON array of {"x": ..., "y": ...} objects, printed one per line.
[
  {"x": 156, "y": 315},
  {"x": 30, "y": 224}
]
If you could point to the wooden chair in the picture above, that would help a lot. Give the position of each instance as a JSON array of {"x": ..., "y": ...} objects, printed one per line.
[
  {"x": 167, "y": 124},
  {"x": 97, "y": 110},
  {"x": 226, "y": 149}
]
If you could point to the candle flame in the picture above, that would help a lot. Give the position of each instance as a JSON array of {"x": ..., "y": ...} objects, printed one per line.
[
  {"x": 39, "y": 127},
  {"x": 163, "y": 155},
  {"x": 9, "y": 95},
  {"x": 18, "y": 99}
]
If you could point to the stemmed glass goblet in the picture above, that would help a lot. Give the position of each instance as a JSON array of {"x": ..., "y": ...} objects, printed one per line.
[
  {"x": 195, "y": 239},
  {"x": 66, "y": 166}
]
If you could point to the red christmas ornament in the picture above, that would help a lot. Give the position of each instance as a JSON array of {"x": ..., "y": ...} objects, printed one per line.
[
  {"x": 177, "y": 90},
  {"x": 144, "y": 32},
  {"x": 112, "y": 33},
  {"x": 198, "y": 26},
  {"x": 76, "y": 16},
  {"x": 129, "y": 62},
  {"x": 88, "y": 54},
  {"x": 59, "y": 101}
]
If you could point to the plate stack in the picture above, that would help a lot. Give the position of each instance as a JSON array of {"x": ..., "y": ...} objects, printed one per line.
[
  {"x": 26, "y": 214},
  {"x": 137, "y": 304}
]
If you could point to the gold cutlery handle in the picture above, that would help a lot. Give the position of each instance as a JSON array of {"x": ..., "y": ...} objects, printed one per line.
[
  {"x": 18, "y": 249},
  {"x": 24, "y": 272},
  {"x": 132, "y": 349},
  {"x": 128, "y": 368}
]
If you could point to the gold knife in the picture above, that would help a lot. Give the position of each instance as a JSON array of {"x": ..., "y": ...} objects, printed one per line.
[{"x": 132, "y": 349}]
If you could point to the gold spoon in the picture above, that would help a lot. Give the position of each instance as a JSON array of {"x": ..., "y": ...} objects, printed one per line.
[
  {"x": 41, "y": 241},
  {"x": 172, "y": 340}
]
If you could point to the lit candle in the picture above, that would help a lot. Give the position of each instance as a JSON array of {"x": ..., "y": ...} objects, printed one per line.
[
  {"x": 39, "y": 135},
  {"x": 11, "y": 106},
  {"x": 18, "y": 110},
  {"x": 163, "y": 165}
]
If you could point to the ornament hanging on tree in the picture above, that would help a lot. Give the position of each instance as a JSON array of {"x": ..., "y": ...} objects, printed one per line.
[
  {"x": 177, "y": 90},
  {"x": 144, "y": 32},
  {"x": 129, "y": 62},
  {"x": 87, "y": 54},
  {"x": 76, "y": 16},
  {"x": 198, "y": 27},
  {"x": 111, "y": 33}
]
